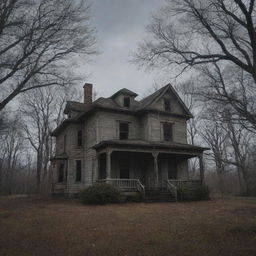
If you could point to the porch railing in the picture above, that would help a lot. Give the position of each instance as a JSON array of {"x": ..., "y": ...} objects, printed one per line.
[{"x": 125, "y": 184}]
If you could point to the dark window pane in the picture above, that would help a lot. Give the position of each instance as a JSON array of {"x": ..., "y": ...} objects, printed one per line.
[
  {"x": 61, "y": 173},
  {"x": 167, "y": 130},
  {"x": 78, "y": 170},
  {"x": 79, "y": 138},
  {"x": 167, "y": 105},
  {"x": 123, "y": 131},
  {"x": 127, "y": 102}
]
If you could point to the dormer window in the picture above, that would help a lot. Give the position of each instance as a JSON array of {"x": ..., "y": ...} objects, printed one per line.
[
  {"x": 127, "y": 102},
  {"x": 167, "y": 105}
]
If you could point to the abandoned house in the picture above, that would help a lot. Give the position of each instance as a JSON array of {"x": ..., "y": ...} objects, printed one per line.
[{"x": 135, "y": 145}]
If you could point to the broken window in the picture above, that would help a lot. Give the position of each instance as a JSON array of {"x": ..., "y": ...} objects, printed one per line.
[
  {"x": 78, "y": 170},
  {"x": 123, "y": 130},
  {"x": 167, "y": 131}
]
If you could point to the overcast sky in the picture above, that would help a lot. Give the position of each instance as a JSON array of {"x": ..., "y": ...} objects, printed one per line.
[{"x": 120, "y": 25}]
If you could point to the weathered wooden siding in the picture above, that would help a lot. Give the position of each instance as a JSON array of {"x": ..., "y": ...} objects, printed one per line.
[
  {"x": 108, "y": 126},
  {"x": 153, "y": 128}
]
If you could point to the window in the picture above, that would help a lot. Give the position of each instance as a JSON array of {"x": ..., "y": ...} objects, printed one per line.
[
  {"x": 61, "y": 173},
  {"x": 126, "y": 102},
  {"x": 79, "y": 138},
  {"x": 78, "y": 170},
  {"x": 167, "y": 105},
  {"x": 65, "y": 143},
  {"x": 167, "y": 131},
  {"x": 124, "y": 166},
  {"x": 123, "y": 131}
]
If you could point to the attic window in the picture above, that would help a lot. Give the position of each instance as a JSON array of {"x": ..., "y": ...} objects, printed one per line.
[
  {"x": 127, "y": 102},
  {"x": 167, "y": 105}
]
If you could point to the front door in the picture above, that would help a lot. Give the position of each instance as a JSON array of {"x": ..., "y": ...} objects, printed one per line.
[
  {"x": 172, "y": 169},
  {"x": 124, "y": 166}
]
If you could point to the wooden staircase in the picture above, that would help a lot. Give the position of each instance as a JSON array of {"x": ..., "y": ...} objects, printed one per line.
[{"x": 158, "y": 195}]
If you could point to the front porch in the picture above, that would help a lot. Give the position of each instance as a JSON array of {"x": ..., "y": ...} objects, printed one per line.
[{"x": 141, "y": 168}]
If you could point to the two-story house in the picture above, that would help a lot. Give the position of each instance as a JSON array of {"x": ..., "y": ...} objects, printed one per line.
[{"x": 134, "y": 145}]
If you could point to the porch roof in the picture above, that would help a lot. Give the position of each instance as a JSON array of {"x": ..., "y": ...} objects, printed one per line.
[{"x": 141, "y": 145}]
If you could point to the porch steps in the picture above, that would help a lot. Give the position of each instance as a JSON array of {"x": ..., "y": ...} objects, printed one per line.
[{"x": 154, "y": 195}]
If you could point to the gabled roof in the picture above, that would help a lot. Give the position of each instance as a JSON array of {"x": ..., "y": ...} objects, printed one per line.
[
  {"x": 146, "y": 102},
  {"x": 124, "y": 91}
]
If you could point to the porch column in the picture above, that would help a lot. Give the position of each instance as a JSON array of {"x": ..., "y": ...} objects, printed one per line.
[
  {"x": 108, "y": 164},
  {"x": 201, "y": 164},
  {"x": 155, "y": 155}
]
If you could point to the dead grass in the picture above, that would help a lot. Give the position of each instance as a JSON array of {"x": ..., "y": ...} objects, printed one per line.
[{"x": 39, "y": 226}]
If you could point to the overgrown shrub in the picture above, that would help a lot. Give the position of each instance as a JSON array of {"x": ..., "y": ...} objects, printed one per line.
[
  {"x": 200, "y": 193},
  {"x": 100, "y": 193}
]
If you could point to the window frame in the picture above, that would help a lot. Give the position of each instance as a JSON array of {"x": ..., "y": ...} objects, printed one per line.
[
  {"x": 80, "y": 138},
  {"x": 76, "y": 170},
  {"x": 61, "y": 168},
  {"x": 127, "y": 100},
  {"x": 170, "y": 137},
  {"x": 122, "y": 132}
]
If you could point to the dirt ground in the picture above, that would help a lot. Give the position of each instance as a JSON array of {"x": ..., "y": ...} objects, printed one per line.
[{"x": 48, "y": 226}]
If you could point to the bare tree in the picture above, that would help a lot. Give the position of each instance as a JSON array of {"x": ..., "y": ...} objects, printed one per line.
[
  {"x": 230, "y": 86},
  {"x": 217, "y": 139},
  {"x": 216, "y": 37},
  {"x": 195, "y": 32},
  {"x": 11, "y": 141},
  {"x": 37, "y": 39},
  {"x": 240, "y": 141},
  {"x": 42, "y": 111}
]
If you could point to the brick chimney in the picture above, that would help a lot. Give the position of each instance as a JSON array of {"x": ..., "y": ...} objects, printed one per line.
[{"x": 87, "y": 94}]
